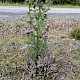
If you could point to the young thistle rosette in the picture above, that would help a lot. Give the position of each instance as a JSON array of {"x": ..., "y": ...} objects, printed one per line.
[{"x": 36, "y": 32}]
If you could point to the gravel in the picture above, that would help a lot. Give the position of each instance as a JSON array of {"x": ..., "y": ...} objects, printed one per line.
[{"x": 67, "y": 50}]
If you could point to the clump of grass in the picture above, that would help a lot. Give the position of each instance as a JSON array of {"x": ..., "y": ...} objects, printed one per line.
[
  {"x": 12, "y": 4},
  {"x": 75, "y": 33},
  {"x": 65, "y": 6}
]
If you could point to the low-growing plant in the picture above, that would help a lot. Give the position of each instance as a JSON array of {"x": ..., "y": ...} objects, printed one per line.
[{"x": 75, "y": 33}]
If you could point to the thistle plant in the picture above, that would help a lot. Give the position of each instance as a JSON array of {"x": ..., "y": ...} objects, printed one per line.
[{"x": 37, "y": 31}]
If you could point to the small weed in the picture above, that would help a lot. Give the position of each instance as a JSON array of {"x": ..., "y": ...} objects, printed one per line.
[{"x": 75, "y": 33}]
